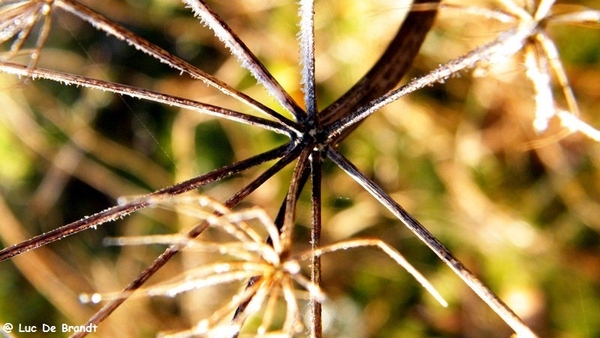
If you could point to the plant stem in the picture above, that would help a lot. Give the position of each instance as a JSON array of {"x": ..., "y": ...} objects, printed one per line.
[{"x": 315, "y": 241}]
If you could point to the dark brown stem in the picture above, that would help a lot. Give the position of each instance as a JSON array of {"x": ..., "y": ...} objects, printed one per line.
[
  {"x": 279, "y": 220},
  {"x": 434, "y": 244},
  {"x": 387, "y": 71},
  {"x": 289, "y": 219},
  {"x": 315, "y": 241},
  {"x": 195, "y": 232},
  {"x": 121, "y": 211}
]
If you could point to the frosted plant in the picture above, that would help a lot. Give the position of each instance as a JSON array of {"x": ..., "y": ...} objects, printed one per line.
[
  {"x": 245, "y": 255},
  {"x": 542, "y": 59},
  {"x": 17, "y": 22},
  {"x": 313, "y": 136}
]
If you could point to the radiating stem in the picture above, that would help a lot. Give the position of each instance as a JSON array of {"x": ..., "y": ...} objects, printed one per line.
[
  {"x": 77, "y": 80},
  {"x": 121, "y": 211},
  {"x": 435, "y": 245},
  {"x": 174, "y": 249},
  {"x": 315, "y": 241},
  {"x": 247, "y": 59},
  {"x": 121, "y": 33},
  {"x": 307, "y": 51},
  {"x": 508, "y": 43},
  {"x": 289, "y": 218},
  {"x": 387, "y": 71}
]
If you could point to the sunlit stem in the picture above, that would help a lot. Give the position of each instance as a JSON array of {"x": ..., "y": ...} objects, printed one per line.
[
  {"x": 293, "y": 323},
  {"x": 589, "y": 17},
  {"x": 101, "y": 23},
  {"x": 507, "y": 44},
  {"x": 543, "y": 9},
  {"x": 255, "y": 294},
  {"x": 573, "y": 123},
  {"x": 388, "y": 250},
  {"x": 270, "y": 311},
  {"x": 553, "y": 57},
  {"x": 202, "y": 277},
  {"x": 246, "y": 58},
  {"x": 39, "y": 9},
  {"x": 307, "y": 51},
  {"x": 538, "y": 73},
  {"x": 522, "y": 13}
]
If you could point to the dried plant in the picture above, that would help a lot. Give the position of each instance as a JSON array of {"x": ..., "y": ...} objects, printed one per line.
[
  {"x": 252, "y": 258},
  {"x": 313, "y": 138}
]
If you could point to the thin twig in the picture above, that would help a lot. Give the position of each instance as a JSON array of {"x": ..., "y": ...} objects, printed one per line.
[
  {"x": 289, "y": 219},
  {"x": 121, "y": 33},
  {"x": 174, "y": 249},
  {"x": 508, "y": 43},
  {"x": 434, "y": 244},
  {"x": 307, "y": 53},
  {"x": 247, "y": 59},
  {"x": 78, "y": 80},
  {"x": 121, "y": 211},
  {"x": 388, "y": 250},
  {"x": 316, "y": 170}
]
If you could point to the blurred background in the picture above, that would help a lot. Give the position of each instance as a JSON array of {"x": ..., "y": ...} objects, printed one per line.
[{"x": 520, "y": 209}]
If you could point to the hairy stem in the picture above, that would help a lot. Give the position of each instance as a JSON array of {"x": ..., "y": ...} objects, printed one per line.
[
  {"x": 195, "y": 232},
  {"x": 121, "y": 211},
  {"x": 434, "y": 244}
]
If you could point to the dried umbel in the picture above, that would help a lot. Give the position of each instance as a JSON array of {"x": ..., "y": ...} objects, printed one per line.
[
  {"x": 312, "y": 138},
  {"x": 252, "y": 250},
  {"x": 18, "y": 20}
]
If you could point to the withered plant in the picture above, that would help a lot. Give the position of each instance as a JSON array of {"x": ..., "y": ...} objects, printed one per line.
[{"x": 301, "y": 140}]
